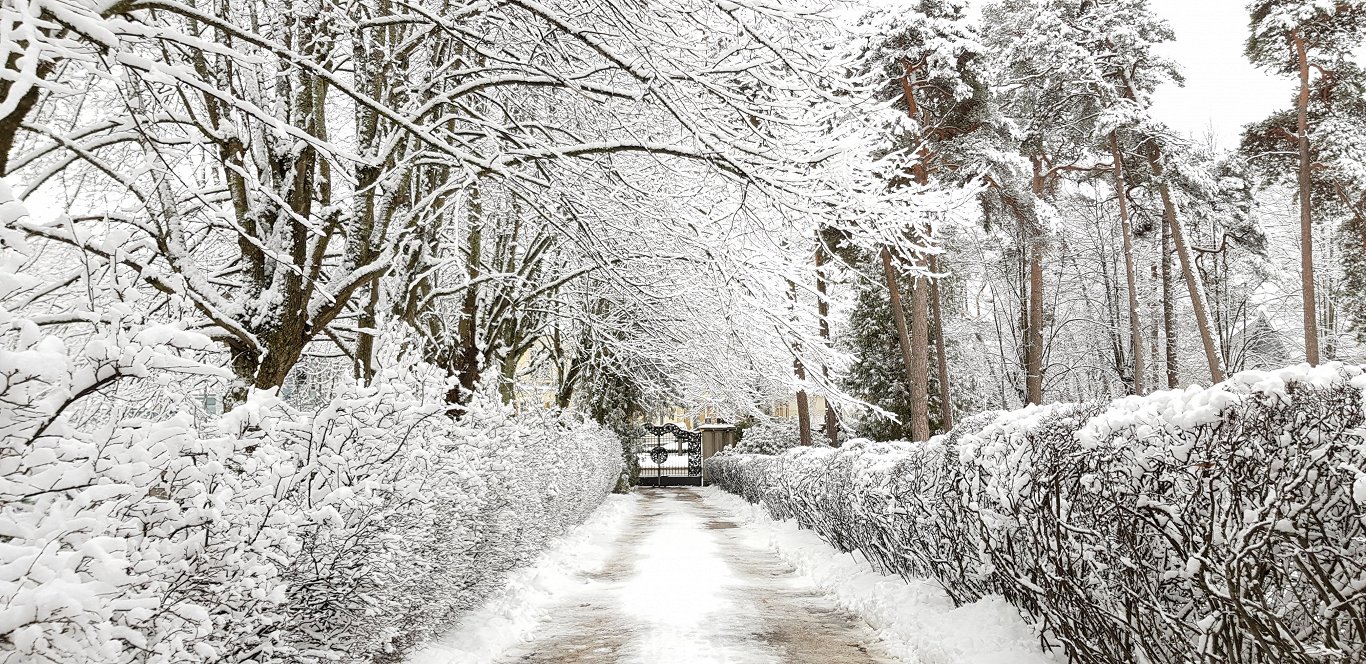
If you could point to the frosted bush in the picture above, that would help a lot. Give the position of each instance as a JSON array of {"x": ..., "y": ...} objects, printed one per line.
[
  {"x": 349, "y": 533},
  {"x": 768, "y": 436},
  {"x": 1223, "y": 524},
  {"x": 342, "y": 535}
]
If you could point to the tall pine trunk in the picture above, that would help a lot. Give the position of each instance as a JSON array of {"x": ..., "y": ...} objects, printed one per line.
[
  {"x": 918, "y": 363},
  {"x": 1169, "y": 312},
  {"x": 1193, "y": 285},
  {"x": 918, "y": 396},
  {"x": 1153, "y": 343},
  {"x": 1033, "y": 331},
  {"x": 940, "y": 354},
  {"x": 1131, "y": 278},
  {"x": 1034, "y": 335},
  {"x": 920, "y": 359},
  {"x": 1311, "y": 327}
]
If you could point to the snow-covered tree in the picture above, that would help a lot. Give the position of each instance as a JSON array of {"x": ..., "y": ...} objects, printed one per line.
[
  {"x": 1301, "y": 37},
  {"x": 922, "y": 65}
]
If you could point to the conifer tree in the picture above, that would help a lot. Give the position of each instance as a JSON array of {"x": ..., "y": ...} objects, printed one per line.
[{"x": 1306, "y": 38}]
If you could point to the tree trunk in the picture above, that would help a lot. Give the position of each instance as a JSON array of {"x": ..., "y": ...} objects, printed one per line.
[
  {"x": 903, "y": 337},
  {"x": 507, "y": 383},
  {"x": 1034, "y": 319},
  {"x": 466, "y": 355},
  {"x": 940, "y": 354},
  {"x": 920, "y": 359},
  {"x": 365, "y": 339},
  {"x": 1169, "y": 312},
  {"x": 260, "y": 370},
  {"x": 10, "y": 124},
  {"x": 1131, "y": 278},
  {"x": 1193, "y": 285},
  {"x": 1024, "y": 305},
  {"x": 1311, "y": 327},
  {"x": 803, "y": 407},
  {"x": 823, "y": 312},
  {"x": 1034, "y": 342},
  {"x": 919, "y": 364},
  {"x": 1152, "y": 348},
  {"x": 803, "y": 403}
]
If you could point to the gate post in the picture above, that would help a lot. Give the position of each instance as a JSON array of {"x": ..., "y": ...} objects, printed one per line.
[{"x": 715, "y": 437}]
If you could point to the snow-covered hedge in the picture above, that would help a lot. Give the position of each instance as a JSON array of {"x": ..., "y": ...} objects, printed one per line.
[
  {"x": 1225, "y": 524},
  {"x": 768, "y": 436},
  {"x": 346, "y": 534}
]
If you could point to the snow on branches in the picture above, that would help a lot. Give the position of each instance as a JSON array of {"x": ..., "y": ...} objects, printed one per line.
[{"x": 269, "y": 534}]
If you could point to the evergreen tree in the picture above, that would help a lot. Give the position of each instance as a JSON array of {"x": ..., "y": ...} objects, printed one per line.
[
  {"x": 1300, "y": 37},
  {"x": 923, "y": 61},
  {"x": 876, "y": 376}
]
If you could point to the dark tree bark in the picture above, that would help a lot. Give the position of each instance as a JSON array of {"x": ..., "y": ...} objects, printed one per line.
[
  {"x": 1131, "y": 278},
  {"x": 1033, "y": 332},
  {"x": 1169, "y": 328},
  {"x": 1193, "y": 286},
  {"x": 889, "y": 272},
  {"x": 918, "y": 366},
  {"x": 803, "y": 403},
  {"x": 1311, "y": 327},
  {"x": 823, "y": 312},
  {"x": 920, "y": 359}
]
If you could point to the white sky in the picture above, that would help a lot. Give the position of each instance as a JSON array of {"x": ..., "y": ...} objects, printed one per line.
[{"x": 1223, "y": 91}]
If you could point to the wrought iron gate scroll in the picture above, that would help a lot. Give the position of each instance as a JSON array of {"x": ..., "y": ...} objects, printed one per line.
[{"x": 662, "y": 450}]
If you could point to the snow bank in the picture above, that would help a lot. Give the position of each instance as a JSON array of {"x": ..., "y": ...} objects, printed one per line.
[
  {"x": 513, "y": 614},
  {"x": 1220, "y": 524},
  {"x": 915, "y": 619}
]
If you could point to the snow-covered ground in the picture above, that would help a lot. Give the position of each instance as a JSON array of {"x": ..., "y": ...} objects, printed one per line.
[
  {"x": 689, "y": 575},
  {"x": 513, "y": 615},
  {"x": 915, "y": 620}
]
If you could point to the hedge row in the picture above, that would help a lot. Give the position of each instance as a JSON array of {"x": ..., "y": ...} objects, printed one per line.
[
  {"x": 1224, "y": 524},
  {"x": 347, "y": 534}
]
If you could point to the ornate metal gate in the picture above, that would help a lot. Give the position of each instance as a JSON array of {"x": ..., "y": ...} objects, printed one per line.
[{"x": 669, "y": 456}]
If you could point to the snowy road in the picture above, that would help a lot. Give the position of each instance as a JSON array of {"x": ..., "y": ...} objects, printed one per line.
[
  {"x": 682, "y": 586},
  {"x": 696, "y": 576}
]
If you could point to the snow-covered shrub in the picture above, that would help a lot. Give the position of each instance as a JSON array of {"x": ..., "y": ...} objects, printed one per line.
[
  {"x": 768, "y": 436},
  {"x": 1224, "y": 524},
  {"x": 347, "y": 533}
]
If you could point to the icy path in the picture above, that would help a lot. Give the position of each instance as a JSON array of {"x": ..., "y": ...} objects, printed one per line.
[{"x": 688, "y": 576}]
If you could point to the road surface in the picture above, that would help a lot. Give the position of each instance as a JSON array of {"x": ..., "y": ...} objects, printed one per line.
[{"x": 682, "y": 586}]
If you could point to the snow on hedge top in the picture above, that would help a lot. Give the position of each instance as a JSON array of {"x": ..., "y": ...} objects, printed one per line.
[
  {"x": 1000, "y": 437},
  {"x": 1177, "y": 410}
]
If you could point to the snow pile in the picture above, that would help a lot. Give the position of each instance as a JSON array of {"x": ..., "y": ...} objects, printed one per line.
[
  {"x": 517, "y": 611},
  {"x": 913, "y": 618},
  {"x": 1219, "y": 524},
  {"x": 271, "y": 535}
]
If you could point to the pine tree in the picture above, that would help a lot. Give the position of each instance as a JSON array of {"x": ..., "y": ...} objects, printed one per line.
[
  {"x": 876, "y": 375},
  {"x": 1336, "y": 187},
  {"x": 923, "y": 60},
  {"x": 1301, "y": 37}
]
